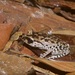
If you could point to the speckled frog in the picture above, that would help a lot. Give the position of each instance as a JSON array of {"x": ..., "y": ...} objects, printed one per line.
[{"x": 52, "y": 46}]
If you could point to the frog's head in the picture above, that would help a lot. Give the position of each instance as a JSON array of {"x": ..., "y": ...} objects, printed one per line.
[{"x": 32, "y": 38}]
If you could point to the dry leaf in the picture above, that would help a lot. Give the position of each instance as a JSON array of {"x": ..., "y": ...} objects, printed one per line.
[
  {"x": 60, "y": 65},
  {"x": 39, "y": 69},
  {"x": 13, "y": 65},
  {"x": 64, "y": 32},
  {"x": 21, "y": 1},
  {"x": 73, "y": 73},
  {"x": 5, "y": 31}
]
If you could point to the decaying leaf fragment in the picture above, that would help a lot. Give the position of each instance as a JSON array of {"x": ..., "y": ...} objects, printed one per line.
[
  {"x": 13, "y": 38},
  {"x": 13, "y": 65},
  {"x": 60, "y": 65},
  {"x": 73, "y": 73},
  {"x": 39, "y": 69},
  {"x": 21, "y": 1},
  {"x": 64, "y": 32},
  {"x": 63, "y": 7}
]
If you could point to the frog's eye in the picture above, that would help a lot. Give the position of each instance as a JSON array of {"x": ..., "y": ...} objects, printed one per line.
[{"x": 27, "y": 40}]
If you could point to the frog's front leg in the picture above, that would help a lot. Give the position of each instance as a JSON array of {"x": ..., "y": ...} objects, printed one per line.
[
  {"x": 52, "y": 57},
  {"x": 13, "y": 38},
  {"x": 45, "y": 54}
]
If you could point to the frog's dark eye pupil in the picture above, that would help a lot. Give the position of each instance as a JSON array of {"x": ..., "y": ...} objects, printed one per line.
[{"x": 29, "y": 40}]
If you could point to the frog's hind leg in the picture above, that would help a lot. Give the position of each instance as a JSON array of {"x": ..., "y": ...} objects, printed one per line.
[
  {"x": 54, "y": 57},
  {"x": 58, "y": 55}
]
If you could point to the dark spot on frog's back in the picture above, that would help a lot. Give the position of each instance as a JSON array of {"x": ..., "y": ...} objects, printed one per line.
[{"x": 46, "y": 40}]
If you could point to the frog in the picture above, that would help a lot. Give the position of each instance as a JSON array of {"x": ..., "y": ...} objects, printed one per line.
[{"x": 48, "y": 43}]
